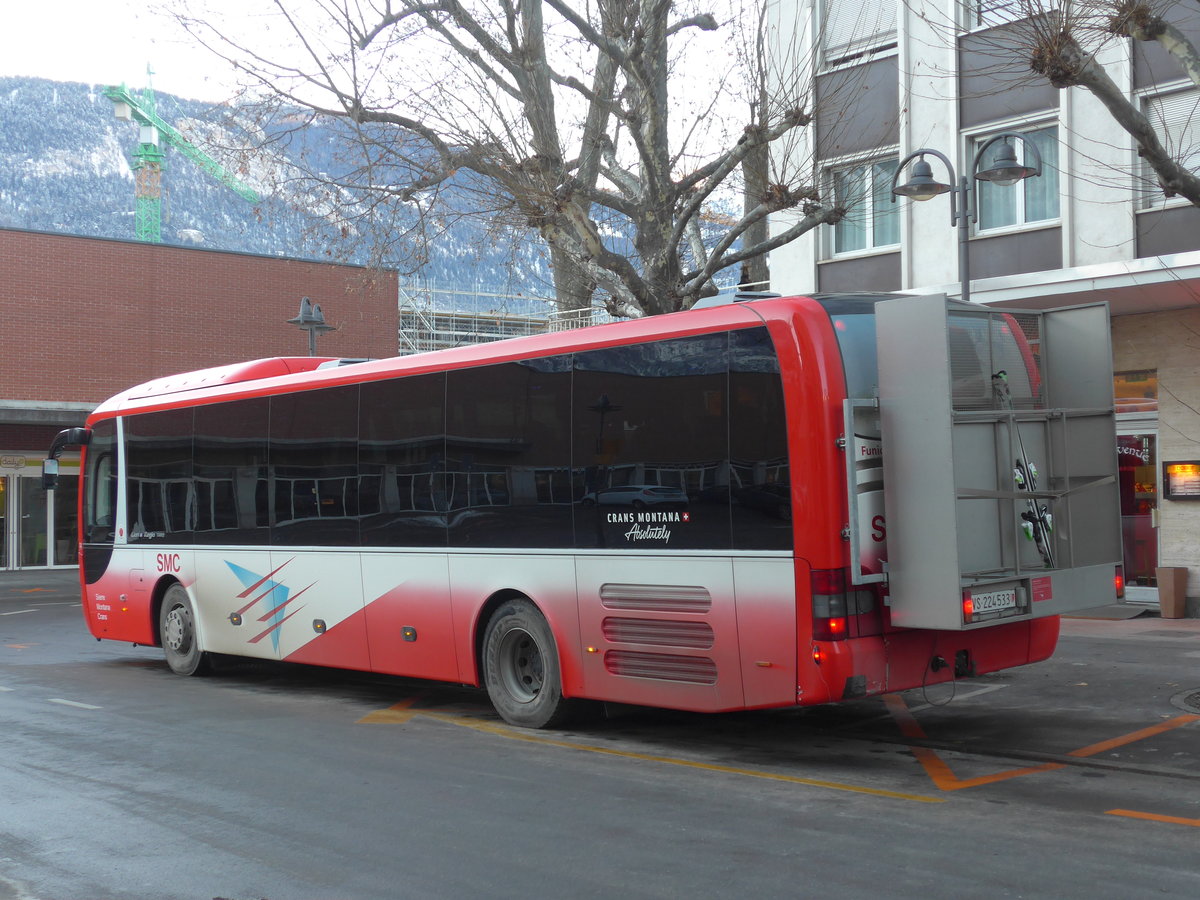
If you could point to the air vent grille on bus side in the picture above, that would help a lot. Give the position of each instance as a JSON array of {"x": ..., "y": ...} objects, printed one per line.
[
  {"x": 656, "y": 597},
  {"x": 693, "y": 635},
  {"x": 659, "y": 666}
]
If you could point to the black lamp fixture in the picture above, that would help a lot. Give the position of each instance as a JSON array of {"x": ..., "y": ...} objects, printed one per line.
[
  {"x": 312, "y": 320},
  {"x": 964, "y": 202}
]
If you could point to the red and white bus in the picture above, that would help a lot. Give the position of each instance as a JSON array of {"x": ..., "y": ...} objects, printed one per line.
[{"x": 652, "y": 512}]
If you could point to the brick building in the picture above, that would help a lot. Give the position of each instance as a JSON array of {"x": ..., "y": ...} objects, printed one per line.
[{"x": 85, "y": 318}]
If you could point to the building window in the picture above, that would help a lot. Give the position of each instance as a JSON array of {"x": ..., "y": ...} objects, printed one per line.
[
  {"x": 850, "y": 31},
  {"x": 1030, "y": 200},
  {"x": 1136, "y": 392},
  {"x": 872, "y": 220},
  {"x": 989, "y": 13},
  {"x": 1176, "y": 119}
]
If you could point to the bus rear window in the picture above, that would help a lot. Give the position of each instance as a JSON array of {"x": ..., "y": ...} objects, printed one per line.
[
  {"x": 982, "y": 344},
  {"x": 853, "y": 321}
]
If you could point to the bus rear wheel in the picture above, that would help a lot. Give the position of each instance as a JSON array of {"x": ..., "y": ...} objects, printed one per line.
[
  {"x": 177, "y": 631},
  {"x": 520, "y": 667}
]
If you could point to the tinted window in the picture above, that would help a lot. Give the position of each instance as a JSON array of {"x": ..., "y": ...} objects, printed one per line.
[
  {"x": 759, "y": 475},
  {"x": 651, "y": 445},
  {"x": 230, "y": 467},
  {"x": 402, "y": 462},
  {"x": 313, "y": 458},
  {"x": 158, "y": 477},
  {"x": 508, "y": 455}
]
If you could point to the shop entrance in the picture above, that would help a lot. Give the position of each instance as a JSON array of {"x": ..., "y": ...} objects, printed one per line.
[
  {"x": 37, "y": 528},
  {"x": 1137, "y": 457}
]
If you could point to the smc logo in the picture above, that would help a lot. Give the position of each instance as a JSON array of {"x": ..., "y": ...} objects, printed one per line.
[{"x": 168, "y": 562}]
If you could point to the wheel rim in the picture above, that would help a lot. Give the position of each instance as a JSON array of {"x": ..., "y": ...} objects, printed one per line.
[
  {"x": 521, "y": 669},
  {"x": 177, "y": 630}
]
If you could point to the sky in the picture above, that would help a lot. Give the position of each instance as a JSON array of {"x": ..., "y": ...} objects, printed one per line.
[{"x": 108, "y": 42}]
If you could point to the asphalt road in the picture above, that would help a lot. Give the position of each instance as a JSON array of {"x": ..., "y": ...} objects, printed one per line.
[{"x": 1079, "y": 777}]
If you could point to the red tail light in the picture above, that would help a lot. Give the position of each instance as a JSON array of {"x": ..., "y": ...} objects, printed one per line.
[
  {"x": 841, "y": 609},
  {"x": 1119, "y": 582}
]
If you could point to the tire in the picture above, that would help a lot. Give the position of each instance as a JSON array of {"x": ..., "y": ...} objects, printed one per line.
[
  {"x": 520, "y": 667},
  {"x": 177, "y": 631}
]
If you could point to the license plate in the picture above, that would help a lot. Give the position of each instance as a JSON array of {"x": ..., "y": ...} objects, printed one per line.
[{"x": 995, "y": 600}]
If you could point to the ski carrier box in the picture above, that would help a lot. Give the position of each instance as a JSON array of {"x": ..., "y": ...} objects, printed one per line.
[{"x": 997, "y": 435}]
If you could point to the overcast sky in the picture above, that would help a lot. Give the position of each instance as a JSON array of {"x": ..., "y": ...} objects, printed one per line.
[{"x": 106, "y": 42}]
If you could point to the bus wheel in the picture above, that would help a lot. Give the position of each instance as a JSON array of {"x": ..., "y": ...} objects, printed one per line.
[
  {"x": 520, "y": 667},
  {"x": 177, "y": 628}
]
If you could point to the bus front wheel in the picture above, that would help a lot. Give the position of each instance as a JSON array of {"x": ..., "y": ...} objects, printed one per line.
[
  {"x": 520, "y": 667},
  {"x": 177, "y": 631}
]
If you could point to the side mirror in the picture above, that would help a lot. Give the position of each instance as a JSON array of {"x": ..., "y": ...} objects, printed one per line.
[{"x": 49, "y": 474}]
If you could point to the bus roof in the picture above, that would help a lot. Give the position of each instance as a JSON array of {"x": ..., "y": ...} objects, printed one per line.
[{"x": 274, "y": 375}]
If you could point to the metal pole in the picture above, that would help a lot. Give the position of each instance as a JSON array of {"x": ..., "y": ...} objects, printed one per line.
[{"x": 964, "y": 237}]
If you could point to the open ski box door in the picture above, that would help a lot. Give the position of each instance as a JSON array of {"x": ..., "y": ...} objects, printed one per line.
[{"x": 998, "y": 445}]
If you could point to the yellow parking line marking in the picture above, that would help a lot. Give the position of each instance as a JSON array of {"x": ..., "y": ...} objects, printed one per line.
[
  {"x": 402, "y": 712},
  {"x": 1153, "y": 817},
  {"x": 943, "y": 777}
]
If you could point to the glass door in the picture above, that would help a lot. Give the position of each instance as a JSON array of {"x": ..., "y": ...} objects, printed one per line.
[
  {"x": 5, "y": 539},
  {"x": 1137, "y": 456}
]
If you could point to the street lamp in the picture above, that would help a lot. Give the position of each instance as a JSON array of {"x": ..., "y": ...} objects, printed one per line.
[
  {"x": 964, "y": 198},
  {"x": 312, "y": 320}
]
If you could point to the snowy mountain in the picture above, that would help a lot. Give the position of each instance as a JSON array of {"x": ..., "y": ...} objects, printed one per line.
[{"x": 65, "y": 167}]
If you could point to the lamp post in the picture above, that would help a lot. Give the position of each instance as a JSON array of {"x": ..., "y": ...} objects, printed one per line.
[
  {"x": 312, "y": 320},
  {"x": 964, "y": 197}
]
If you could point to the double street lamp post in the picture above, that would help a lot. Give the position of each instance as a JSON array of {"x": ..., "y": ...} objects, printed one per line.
[
  {"x": 964, "y": 196},
  {"x": 312, "y": 320}
]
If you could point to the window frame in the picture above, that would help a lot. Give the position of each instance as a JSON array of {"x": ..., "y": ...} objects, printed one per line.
[
  {"x": 1002, "y": 12},
  {"x": 857, "y": 49},
  {"x": 866, "y": 162},
  {"x": 1149, "y": 193},
  {"x": 975, "y": 139}
]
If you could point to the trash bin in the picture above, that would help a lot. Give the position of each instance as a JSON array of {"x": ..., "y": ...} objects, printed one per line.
[{"x": 1172, "y": 591}]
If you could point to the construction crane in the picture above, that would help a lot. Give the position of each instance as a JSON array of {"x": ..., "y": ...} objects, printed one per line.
[{"x": 149, "y": 159}]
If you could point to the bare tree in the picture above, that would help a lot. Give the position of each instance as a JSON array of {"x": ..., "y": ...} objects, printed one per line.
[
  {"x": 610, "y": 127},
  {"x": 1062, "y": 41}
]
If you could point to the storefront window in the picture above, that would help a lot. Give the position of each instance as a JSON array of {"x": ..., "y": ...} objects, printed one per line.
[{"x": 1136, "y": 392}]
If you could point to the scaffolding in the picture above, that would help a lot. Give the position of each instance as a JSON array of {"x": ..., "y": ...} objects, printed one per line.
[{"x": 439, "y": 318}]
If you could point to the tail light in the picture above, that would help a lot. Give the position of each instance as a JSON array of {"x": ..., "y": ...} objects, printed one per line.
[
  {"x": 838, "y": 607},
  {"x": 1119, "y": 582}
]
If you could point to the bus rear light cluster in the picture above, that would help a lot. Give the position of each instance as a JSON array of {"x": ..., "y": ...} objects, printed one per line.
[
  {"x": 837, "y": 605},
  {"x": 1119, "y": 582}
]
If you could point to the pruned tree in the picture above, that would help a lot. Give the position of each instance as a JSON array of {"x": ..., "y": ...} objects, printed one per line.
[
  {"x": 1063, "y": 41},
  {"x": 612, "y": 128}
]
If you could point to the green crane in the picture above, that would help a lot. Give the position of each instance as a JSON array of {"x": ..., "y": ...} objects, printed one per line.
[{"x": 149, "y": 159}]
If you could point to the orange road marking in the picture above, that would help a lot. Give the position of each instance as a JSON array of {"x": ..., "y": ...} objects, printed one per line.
[
  {"x": 943, "y": 777},
  {"x": 32, "y": 590},
  {"x": 1153, "y": 817},
  {"x": 936, "y": 768},
  {"x": 1134, "y": 736},
  {"x": 396, "y": 714}
]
